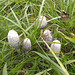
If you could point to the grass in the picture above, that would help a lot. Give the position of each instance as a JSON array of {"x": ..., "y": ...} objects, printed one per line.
[{"x": 21, "y": 15}]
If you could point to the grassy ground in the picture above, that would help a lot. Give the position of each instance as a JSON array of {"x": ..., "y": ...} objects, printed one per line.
[{"x": 21, "y": 15}]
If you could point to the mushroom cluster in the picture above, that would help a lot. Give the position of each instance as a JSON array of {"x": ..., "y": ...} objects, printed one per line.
[
  {"x": 55, "y": 46},
  {"x": 48, "y": 37},
  {"x": 13, "y": 40}
]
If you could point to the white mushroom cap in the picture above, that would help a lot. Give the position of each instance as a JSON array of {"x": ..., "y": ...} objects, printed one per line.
[
  {"x": 13, "y": 38},
  {"x": 47, "y": 36},
  {"x": 42, "y": 21},
  {"x": 26, "y": 44},
  {"x": 56, "y": 47}
]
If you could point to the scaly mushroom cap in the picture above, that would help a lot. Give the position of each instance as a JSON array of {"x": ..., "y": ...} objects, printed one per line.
[
  {"x": 13, "y": 38},
  {"x": 56, "y": 47},
  {"x": 47, "y": 36},
  {"x": 26, "y": 44},
  {"x": 42, "y": 21}
]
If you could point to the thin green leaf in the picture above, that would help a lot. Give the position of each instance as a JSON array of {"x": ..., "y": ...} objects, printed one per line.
[
  {"x": 69, "y": 62},
  {"x": 15, "y": 17},
  {"x": 5, "y": 69},
  {"x": 40, "y": 73},
  {"x": 70, "y": 39}
]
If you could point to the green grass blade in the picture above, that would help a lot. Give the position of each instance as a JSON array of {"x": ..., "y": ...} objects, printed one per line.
[
  {"x": 40, "y": 73},
  {"x": 6, "y": 24},
  {"x": 41, "y": 8},
  {"x": 5, "y": 69},
  {"x": 40, "y": 11},
  {"x": 70, "y": 39},
  {"x": 15, "y": 17}
]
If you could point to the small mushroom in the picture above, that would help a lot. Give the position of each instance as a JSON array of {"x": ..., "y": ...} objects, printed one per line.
[
  {"x": 47, "y": 36},
  {"x": 56, "y": 47},
  {"x": 42, "y": 22},
  {"x": 26, "y": 44},
  {"x": 13, "y": 38}
]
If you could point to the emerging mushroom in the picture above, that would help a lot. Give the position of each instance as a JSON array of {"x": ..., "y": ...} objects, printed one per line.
[
  {"x": 26, "y": 44},
  {"x": 47, "y": 36},
  {"x": 42, "y": 22},
  {"x": 13, "y": 38},
  {"x": 56, "y": 47}
]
